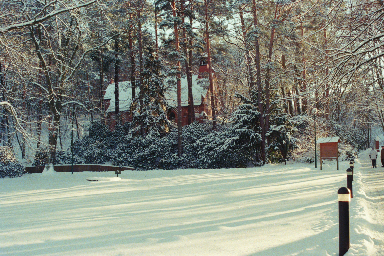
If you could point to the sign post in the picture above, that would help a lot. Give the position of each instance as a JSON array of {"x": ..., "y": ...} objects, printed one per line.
[{"x": 329, "y": 149}]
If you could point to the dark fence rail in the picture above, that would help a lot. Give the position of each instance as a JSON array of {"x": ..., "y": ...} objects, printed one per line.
[{"x": 80, "y": 168}]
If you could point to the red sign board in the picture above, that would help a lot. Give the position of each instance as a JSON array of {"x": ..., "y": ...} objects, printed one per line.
[{"x": 329, "y": 150}]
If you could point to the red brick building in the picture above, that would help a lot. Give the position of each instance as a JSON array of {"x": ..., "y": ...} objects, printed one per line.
[{"x": 201, "y": 99}]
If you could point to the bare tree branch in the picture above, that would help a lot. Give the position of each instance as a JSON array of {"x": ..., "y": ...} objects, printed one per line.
[{"x": 44, "y": 18}]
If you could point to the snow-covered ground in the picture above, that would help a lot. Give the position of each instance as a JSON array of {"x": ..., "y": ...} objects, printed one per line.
[{"x": 272, "y": 210}]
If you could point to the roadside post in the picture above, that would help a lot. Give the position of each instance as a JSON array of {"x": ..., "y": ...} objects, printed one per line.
[
  {"x": 344, "y": 236},
  {"x": 349, "y": 180},
  {"x": 351, "y": 165}
]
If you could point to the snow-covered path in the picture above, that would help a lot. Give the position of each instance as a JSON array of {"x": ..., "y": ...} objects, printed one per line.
[
  {"x": 367, "y": 209},
  {"x": 272, "y": 210}
]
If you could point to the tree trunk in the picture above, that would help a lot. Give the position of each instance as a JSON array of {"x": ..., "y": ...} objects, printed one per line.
[
  {"x": 101, "y": 83},
  {"x": 188, "y": 69},
  {"x": 258, "y": 83},
  {"x": 54, "y": 98},
  {"x": 326, "y": 110},
  {"x": 297, "y": 85},
  {"x": 156, "y": 36},
  {"x": 190, "y": 59},
  {"x": 251, "y": 82},
  {"x": 55, "y": 110},
  {"x": 133, "y": 65},
  {"x": 304, "y": 102},
  {"x": 140, "y": 38},
  {"x": 291, "y": 109},
  {"x": 208, "y": 44},
  {"x": 179, "y": 124},
  {"x": 268, "y": 73},
  {"x": 3, "y": 118},
  {"x": 39, "y": 117},
  {"x": 117, "y": 67}
]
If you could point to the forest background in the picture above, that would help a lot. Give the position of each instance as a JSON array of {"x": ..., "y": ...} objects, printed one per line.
[{"x": 287, "y": 72}]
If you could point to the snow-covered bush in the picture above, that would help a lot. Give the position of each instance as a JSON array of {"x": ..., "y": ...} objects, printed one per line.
[
  {"x": 9, "y": 167},
  {"x": 92, "y": 149},
  {"x": 41, "y": 157},
  {"x": 235, "y": 144},
  {"x": 65, "y": 157},
  {"x": 225, "y": 148},
  {"x": 232, "y": 145},
  {"x": 12, "y": 169},
  {"x": 149, "y": 152},
  {"x": 98, "y": 131}
]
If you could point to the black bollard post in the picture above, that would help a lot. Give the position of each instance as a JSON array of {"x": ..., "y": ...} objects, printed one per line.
[
  {"x": 344, "y": 239},
  {"x": 349, "y": 180},
  {"x": 351, "y": 165}
]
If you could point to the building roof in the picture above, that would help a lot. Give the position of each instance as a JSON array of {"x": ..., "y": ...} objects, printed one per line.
[
  {"x": 199, "y": 89},
  {"x": 125, "y": 96}
]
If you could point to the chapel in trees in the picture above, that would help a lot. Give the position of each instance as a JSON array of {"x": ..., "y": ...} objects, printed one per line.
[{"x": 201, "y": 98}]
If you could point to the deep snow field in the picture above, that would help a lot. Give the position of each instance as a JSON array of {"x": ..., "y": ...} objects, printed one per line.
[{"x": 272, "y": 210}]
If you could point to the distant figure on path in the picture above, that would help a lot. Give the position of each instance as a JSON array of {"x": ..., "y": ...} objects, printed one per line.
[
  {"x": 382, "y": 156},
  {"x": 373, "y": 157}
]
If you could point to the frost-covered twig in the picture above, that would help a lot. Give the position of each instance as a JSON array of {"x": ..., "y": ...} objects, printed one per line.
[
  {"x": 44, "y": 18},
  {"x": 12, "y": 111}
]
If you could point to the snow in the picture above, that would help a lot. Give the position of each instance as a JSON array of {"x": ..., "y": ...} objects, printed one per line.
[
  {"x": 125, "y": 93},
  {"x": 199, "y": 90},
  {"x": 271, "y": 210},
  {"x": 328, "y": 139},
  {"x": 125, "y": 96}
]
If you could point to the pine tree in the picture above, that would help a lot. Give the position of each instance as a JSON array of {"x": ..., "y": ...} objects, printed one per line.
[{"x": 151, "y": 116}]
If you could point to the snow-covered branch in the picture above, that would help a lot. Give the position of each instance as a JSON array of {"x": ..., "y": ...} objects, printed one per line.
[
  {"x": 12, "y": 111},
  {"x": 44, "y": 18},
  {"x": 84, "y": 55}
]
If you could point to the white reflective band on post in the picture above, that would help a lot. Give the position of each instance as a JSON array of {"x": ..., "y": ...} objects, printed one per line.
[
  {"x": 349, "y": 173},
  {"x": 344, "y": 198}
]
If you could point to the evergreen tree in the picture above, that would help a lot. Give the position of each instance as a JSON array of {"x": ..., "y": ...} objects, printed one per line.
[{"x": 151, "y": 116}]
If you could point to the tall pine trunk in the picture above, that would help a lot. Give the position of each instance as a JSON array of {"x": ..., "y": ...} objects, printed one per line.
[
  {"x": 3, "y": 117},
  {"x": 156, "y": 35},
  {"x": 268, "y": 73},
  {"x": 304, "y": 103},
  {"x": 258, "y": 83},
  {"x": 251, "y": 82},
  {"x": 208, "y": 45},
  {"x": 140, "y": 38},
  {"x": 178, "y": 77},
  {"x": 101, "y": 83},
  {"x": 190, "y": 60},
  {"x": 188, "y": 68},
  {"x": 141, "y": 69},
  {"x": 117, "y": 67},
  {"x": 133, "y": 65}
]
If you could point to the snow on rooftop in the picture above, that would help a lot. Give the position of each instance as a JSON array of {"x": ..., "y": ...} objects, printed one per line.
[
  {"x": 328, "y": 139},
  {"x": 199, "y": 89},
  {"x": 125, "y": 96}
]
